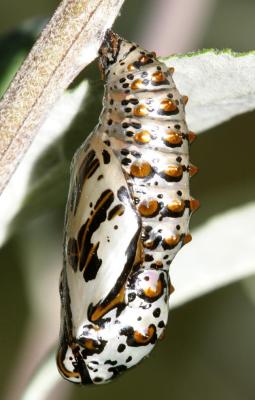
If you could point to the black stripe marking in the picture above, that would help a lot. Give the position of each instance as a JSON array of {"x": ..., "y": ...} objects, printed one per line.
[
  {"x": 89, "y": 260},
  {"x": 172, "y": 214},
  {"x": 123, "y": 194},
  {"x": 106, "y": 157},
  {"x": 87, "y": 168},
  {"x": 72, "y": 253},
  {"x": 103, "y": 306},
  {"x": 118, "y": 210},
  {"x": 170, "y": 178},
  {"x": 160, "y": 83}
]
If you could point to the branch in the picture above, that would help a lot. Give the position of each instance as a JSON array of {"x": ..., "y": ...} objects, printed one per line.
[{"x": 68, "y": 43}]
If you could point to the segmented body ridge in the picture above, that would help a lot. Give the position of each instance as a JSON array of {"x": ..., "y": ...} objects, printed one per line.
[{"x": 128, "y": 215}]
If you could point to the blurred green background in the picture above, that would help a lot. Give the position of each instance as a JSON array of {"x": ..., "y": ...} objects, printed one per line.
[{"x": 209, "y": 350}]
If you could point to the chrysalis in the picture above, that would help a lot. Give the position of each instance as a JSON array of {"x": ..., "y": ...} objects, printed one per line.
[{"x": 127, "y": 216}]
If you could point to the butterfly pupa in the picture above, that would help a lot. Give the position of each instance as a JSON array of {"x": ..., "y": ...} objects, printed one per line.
[{"x": 127, "y": 216}]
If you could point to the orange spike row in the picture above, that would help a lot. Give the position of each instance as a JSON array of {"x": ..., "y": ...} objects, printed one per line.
[
  {"x": 193, "y": 170},
  {"x": 185, "y": 99},
  {"x": 171, "y": 288},
  {"x": 194, "y": 204},
  {"x": 162, "y": 335},
  {"x": 191, "y": 137},
  {"x": 171, "y": 70},
  {"x": 187, "y": 238}
]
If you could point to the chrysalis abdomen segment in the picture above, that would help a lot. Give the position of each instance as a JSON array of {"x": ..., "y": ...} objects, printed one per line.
[
  {"x": 127, "y": 216},
  {"x": 145, "y": 118}
]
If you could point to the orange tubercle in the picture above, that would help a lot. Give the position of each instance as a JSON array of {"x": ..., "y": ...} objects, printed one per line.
[
  {"x": 144, "y": 59},
  {"x": 172, "y": 240},
  {"x": 147, "y": 209},
  {"x": 173, "y": 137},
  {"x": 144, "y": 338},
  {"x": 176, "y": 205},
  {"x": 193, "y": 170},
  {"x": 173, "y": 170},
  {"x": 187, "y": 238},
  {"x": 194, "y": 204},
  {"x": 185, "y": 99},
  {"x": 191, "y": 137},
  {"x": 168, "y": 105},
  {"x": 171, "y": 288},
  {"x": 137, "y": 84},
  {"x": 142, "y": 137},
  {"x": 141, "y": 111},
  {"x": 131, "y": 67},
  {"x": 141, "y": 170},
  {"x": 158, "y": 76},
  {"x": 89, "y": 344},
  {"x": 154, "y": 292}
]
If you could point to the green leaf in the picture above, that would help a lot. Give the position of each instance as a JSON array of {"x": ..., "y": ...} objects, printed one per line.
[
  {"x": 221, "y": 252},
  {"x": 220, "y": 85}
]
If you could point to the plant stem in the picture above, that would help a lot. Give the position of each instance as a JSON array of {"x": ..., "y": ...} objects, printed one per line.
[{"x": 68, "y": 43}]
